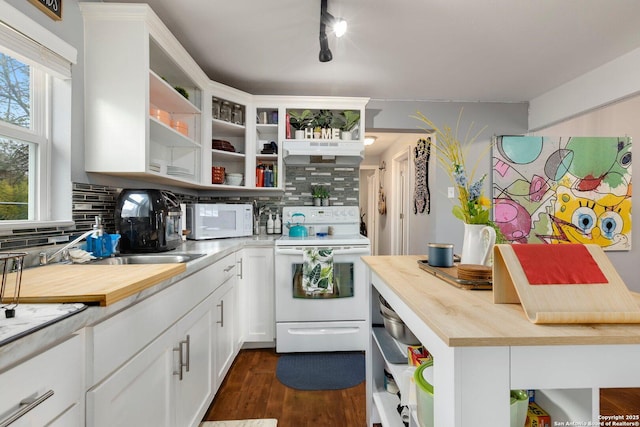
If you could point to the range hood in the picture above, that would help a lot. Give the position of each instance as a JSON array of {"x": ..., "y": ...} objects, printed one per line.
[{"x": 322, "y": 152}]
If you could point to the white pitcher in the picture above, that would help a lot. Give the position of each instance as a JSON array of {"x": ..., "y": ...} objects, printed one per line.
[{"x": 477, "y": 244}]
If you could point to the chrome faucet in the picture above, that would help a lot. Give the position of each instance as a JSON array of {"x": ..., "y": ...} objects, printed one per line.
[{"x": 96, "y": 232}]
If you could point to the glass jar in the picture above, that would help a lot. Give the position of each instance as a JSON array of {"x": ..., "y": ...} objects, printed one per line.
[
  {"x": 236, "y": 115},
  {"x": 215, "y": 108},
  {"x": 225, "y": 111}
]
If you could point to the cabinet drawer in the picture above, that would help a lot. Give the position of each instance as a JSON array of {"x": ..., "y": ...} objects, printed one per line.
[
  {"x": 223, "y": 270},
  {"x": 58, "y": 370}
]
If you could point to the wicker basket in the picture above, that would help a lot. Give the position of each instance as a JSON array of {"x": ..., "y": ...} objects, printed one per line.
[{"x": 217, "y": 175}]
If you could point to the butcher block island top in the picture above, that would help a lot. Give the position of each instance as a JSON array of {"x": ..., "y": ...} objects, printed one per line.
[
  {"x": 463, "y": 318},
  {"x": 90, "y": 283}
]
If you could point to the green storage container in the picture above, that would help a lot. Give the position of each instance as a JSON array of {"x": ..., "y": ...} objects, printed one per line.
[
  {"x": 424, "y": 393},
  {"x": 423, "y": 377}
]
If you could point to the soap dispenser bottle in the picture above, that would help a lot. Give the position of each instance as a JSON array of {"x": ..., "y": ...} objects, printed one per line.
[
  {"x": 277, "y": 224},
  {"x": 270, "y": 224}
]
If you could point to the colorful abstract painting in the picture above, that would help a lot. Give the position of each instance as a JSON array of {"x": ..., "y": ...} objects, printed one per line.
[{"x": 563, "y": 190}]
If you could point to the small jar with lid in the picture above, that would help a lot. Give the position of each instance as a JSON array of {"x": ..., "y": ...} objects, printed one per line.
[
  {"x": 236, "y": 115},
  {"x": 225, "y": 111},
  {"x": 215, "y": 108}
]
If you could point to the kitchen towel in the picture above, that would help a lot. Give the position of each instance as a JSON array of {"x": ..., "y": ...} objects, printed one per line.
[
  {"x": 564, "y": 264},
  {"x": 317, "y": 271}
]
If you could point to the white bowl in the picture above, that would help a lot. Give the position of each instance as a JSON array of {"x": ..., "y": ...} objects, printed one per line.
[{"x": 233, "y": 179}]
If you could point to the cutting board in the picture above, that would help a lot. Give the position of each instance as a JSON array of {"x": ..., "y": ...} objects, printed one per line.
[
  {"x": 609, "y": 302},
  {"x": 103, "y": 284}
]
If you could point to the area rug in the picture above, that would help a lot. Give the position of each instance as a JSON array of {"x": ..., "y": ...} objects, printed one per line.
[
  {"x": 321, "y": 371},
  {"x": 266, "y": 422}
]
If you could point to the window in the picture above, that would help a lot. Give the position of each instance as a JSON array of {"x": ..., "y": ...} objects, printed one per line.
[
  {"x": 35, "y": 121},
  {"x": 21, "y": 138}
]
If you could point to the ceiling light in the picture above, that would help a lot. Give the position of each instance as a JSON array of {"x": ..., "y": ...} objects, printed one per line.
[
  {"x": 338, "y": 25},
  {"x": 368, "y": 140}
]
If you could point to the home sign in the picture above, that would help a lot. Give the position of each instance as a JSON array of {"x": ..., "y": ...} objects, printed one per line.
[{"x": 53, "y": 8}]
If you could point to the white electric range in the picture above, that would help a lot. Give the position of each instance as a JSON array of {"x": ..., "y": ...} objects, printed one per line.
[{"x": 333, "y": 321}]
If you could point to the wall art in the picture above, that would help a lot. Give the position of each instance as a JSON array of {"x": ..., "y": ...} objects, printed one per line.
[{"x": 563, "y": 190}]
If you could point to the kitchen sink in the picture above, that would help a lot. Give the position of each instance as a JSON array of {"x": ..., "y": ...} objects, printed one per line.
[{"x": 161, "y": 258}]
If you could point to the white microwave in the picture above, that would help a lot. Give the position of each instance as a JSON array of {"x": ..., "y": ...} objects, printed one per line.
[{"x": 219, "y": 220}]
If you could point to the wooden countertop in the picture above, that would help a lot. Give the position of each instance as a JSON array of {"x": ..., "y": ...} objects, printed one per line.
[
  {"x": 470, "y": 318},
  {"x": 89, "y": 283}
]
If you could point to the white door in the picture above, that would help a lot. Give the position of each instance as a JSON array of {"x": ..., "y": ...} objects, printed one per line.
[
  {"x": 194, "y": 345},
  {"x": 373, "y": 183},
  {"x": 402, "y": 203},
  {"x": 141, "y": 393},
  {"x": 223, "y": 321},
  {"x": 258, "y": 294}
]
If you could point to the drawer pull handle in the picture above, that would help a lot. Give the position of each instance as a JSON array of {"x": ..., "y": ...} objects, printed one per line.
[
  {"x": 26, "y": 405},
  {"x": 229, "y": 268},
  {"x": 240, "y": 273},
  {"x": 180, "y": 364},
  {"x": 181, "y": 360},
  {"x": 187, "y": 343},
  {"x": 221, "y": 321}
]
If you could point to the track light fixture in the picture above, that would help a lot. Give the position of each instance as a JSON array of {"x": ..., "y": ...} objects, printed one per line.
[{"x": 338, "y": 25}]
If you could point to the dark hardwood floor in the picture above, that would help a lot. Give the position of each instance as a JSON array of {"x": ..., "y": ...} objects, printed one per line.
[
  {"x": 251, "y": 390},
  {"x": 620, "y": 401}
]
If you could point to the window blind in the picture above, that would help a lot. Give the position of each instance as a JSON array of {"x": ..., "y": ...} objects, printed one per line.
[{"x": 33, "y": 53}]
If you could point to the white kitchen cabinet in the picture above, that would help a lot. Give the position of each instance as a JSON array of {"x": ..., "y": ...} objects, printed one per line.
[
  {"x": 229, "y": 145},
  {"x": 168, "y": 383},
  {"x": 257, "y": 289},
  {"x": 270, "y": 125},
  {"x": 49, "y": 385},
  {"x": 139, "y": 393},
  {"x": 157, "y": 362},
  {"x": 195, "y": 361},
  {"x": 124, "y": 89},
  {"x": 224, "y": 325}
]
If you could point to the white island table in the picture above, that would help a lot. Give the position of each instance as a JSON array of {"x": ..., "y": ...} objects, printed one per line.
[{"x": 482, "y": 350}]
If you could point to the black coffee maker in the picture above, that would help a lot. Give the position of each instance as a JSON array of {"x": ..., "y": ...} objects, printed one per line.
[{"x": 148, "y": 220}]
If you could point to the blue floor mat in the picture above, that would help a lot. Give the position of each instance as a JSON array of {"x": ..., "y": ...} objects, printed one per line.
[{"x": 321, "y": 371}]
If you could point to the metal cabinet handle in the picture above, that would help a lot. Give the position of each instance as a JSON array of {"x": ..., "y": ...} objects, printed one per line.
[
  {"x": 181, "y": 360},
  {"x": 240, "y": 272},
  {"x": 180, "y": 364},
  {"x": 26, "y": 405},
  {"x": 221, "y": 321},
  {"x": 229, "y": 267},
  {"x": 187, "y": 342}
]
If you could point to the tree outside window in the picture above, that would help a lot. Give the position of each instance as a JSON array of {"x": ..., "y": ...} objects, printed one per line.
[{"x": 15, "y": 103}]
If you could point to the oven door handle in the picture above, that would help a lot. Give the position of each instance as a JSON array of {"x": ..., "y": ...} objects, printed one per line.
[{"x": 349, "y": 251}]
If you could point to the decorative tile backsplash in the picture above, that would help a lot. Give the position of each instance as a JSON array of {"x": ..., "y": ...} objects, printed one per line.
[{"x": 90, "y": 200}]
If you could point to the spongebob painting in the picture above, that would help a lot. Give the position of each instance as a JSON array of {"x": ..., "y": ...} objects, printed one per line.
[{"x": 563, "y": 190}]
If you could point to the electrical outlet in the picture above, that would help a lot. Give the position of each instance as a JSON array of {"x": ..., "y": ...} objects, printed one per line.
[{"x": 451, "y": 193}]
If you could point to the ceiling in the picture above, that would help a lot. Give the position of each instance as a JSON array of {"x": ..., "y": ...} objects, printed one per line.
[{"x": 461, "y": 50}]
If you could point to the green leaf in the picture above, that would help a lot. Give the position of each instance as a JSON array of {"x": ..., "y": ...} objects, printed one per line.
[
  {"x": 314, "y": 276},
  {"x": 458, "y": 213}
]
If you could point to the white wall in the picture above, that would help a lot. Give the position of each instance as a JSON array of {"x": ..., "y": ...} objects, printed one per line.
[
  {"x": 620, "y": 119},
  {"x": 440, "y": 226}
]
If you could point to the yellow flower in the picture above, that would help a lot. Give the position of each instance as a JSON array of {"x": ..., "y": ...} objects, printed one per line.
[{"x": 484, "y": 201}]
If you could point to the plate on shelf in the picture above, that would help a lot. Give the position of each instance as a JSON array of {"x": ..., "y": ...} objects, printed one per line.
[{"x": 179, "y": 171}]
